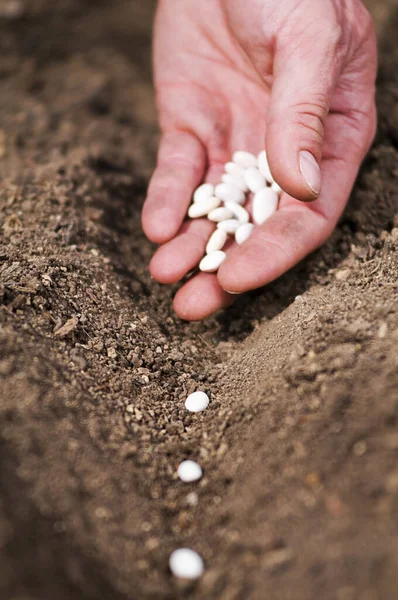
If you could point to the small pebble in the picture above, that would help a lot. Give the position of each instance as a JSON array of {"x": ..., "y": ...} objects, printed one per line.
[
  {"x": 211, "y": 262},
  {"x": 243, "y": 233},
  {"x": 220, "y": 214},
  {"x": 238, "y": 182},
  {"x": 186, "y": 563},
  {"x": 254, "y": 180},
  {"x": 189, "y": 471},
  {"x": 263, "y": 166},
  {"x": 204, "y": 191},
  {"x": 197, "y": 401},
  {"x": 229, "y": 193},
  {"x": 229, "y": 225},
  {"x": 235, "y": 170},
  {"x": 203, "y": 208},
  {"x": 216, "y": 241},
  {"x": 238, "y": 211},
  {"x": 244, "y": 159},
  {"x": 265, "y": 204}
]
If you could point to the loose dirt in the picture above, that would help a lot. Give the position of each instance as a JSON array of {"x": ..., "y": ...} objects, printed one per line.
[{"x": 300, "y": 442}]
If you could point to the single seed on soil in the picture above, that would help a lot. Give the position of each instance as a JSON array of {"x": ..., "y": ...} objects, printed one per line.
[
  {"x": 235, "y": 170},
  {"x": 276, "y": 187},
  {"x": 189, "y": 471},
  {"x": 238, "y": 211},
  {"x": 254, "y": 180},
  {"x": 229, "y": 225},
  {"x": 263, "y": 166},
  {"x": 211, "y": 262},
  {"x": 203, "y": 191},
  {"x": 243, "y": 233},
  {"x": 238, "y": 182},
  {"x": 265, "y": 203},
  {"x": 202, "y": 208},
  {"x": 197, "y": 401},
  {"x": 186, "y": 563},
  {"x": 244, "y": 159},
  {"x": 216, "y": 240},
  {"x": 220, "y": 214},
  {"x": 229, "y": 193}
]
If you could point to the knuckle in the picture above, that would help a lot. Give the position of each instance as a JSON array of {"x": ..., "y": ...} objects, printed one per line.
[
  {"x": 364, "y": 19},
  {"x": 335, "y": 38},
  {"x": 311, "y": 116},
  {"x": 358, "y": 28},
  {"x": 164, "y": 181}
]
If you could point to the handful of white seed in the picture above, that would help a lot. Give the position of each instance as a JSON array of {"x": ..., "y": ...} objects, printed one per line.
[{"x": 223, "y": 204}]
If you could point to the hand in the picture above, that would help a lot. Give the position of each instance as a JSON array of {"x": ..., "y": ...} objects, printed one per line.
[{"x": 229, "y": 75}]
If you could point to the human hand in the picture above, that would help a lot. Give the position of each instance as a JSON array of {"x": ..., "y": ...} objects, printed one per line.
[{"x": 229, "y": 74}]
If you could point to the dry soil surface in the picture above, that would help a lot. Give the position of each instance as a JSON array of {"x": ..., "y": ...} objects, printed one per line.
[{"x": 300, "y": 442}]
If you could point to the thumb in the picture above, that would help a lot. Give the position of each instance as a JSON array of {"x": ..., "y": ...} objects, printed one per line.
[{"x": 304, "y": 80}]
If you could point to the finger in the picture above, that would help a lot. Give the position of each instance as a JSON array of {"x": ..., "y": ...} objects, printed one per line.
[
  {"x": 201, "y": 297},
  {"x": 214, "y": 173},
  {"x": 176, "y": 258},
  {"x": 272, "y": 249},
  {"x": 306, "y": 68},
  {"x": 180, "y": 169},
  {"x": 297, "y": 229}
]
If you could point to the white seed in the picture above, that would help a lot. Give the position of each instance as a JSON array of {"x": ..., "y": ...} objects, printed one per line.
[
  {"x": 202, "y": 208},
  {"x": 189, "y": 471},
  {"x": 263, "y": 166},
  {"x": 265, "y": 203},
  {"x": 254, "y": 180},
  {"x": 229, "y": 193},
  {"x": 197, "y": 401},
  {"x": 220, "y": 214},
  {"x": 276, "y": 187},
  {"x": 238, "y": 182},
  {"x": 235, "y": 170},
  {"x": 243, "y": 232},
  {"x": 186, "y": 563},
  {"x": 203, "y": 192},
  {"x": 238, "y": 211},
  {"x": 229, "y": 225},
  {"x": 244, "y": 159},
  {"x": 216, "y": 240},
  {"x": 211, "y": 262}
]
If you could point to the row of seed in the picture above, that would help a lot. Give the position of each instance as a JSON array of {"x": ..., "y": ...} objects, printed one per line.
[{"x": 184, "y": 562}]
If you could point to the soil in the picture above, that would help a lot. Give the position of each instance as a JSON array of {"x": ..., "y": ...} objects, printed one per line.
[{"x": 300, "y": 442}]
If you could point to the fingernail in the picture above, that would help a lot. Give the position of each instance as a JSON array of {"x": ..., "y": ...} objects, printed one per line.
[
  {"x": 310, "y": 170},
  {"x": 233, "y": 293}
]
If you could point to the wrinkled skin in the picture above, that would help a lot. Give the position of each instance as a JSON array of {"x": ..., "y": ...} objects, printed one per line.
[{"x": 290, "y": 75}]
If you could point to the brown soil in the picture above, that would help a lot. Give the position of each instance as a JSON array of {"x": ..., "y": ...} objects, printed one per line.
[{"x": 300, "y": 443}]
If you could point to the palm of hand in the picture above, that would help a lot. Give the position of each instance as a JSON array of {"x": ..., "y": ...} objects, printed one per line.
[
  {"x": 212, "y": 101},
  {"x": 209, "y": 87}
]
